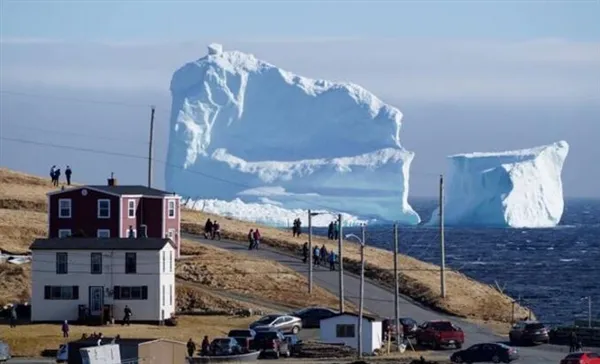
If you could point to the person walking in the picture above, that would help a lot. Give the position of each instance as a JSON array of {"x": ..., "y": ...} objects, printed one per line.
[
  {"x": 68, "y": 173},
  {"x": 65, "y": 329},
  {"x": 330, "y": 231},
  {"x": 337, "y": 230},
  {"x": 127, "y": 318},
  {"x": 13, "y": 316},
  {"x": 305, "y": 252},
  {"x": 53, "y": 174},
  {"x": 205, "y": 346},
  {"x": 332, "y": 259},
  {"x": 208, "y": 227},
  {"x": 191, "y": 347},
  {"x": 323, "y": 254},
  {"x": 316, "y": 255},
  {"x": 251, "y": 239},
  {"x": 57, "y": 177},
  {"x": 256, "y": 239}
]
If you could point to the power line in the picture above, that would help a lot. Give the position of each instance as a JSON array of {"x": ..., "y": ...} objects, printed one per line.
[{"x": 75, "y": 99}]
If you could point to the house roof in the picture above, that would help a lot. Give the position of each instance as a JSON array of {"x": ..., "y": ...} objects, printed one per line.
[
  {"x": 123, "y": 190},
  {"x": 371, "y": 318},
  {"x": 100, "y": 244}
]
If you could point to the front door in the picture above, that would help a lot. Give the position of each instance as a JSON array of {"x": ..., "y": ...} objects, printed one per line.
[{"x": 96, "y": 300}]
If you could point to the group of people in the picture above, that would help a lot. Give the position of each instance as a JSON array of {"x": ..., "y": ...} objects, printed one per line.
[
  {"x": 55, "y": 175},
  {"x": 191, "y": 347},
  {"x": 254, "y": 239},
  {"x": 297, "y": 227},
  {"x": 574, "y": 343},
  {"x": 320, "y": 256},
  {"x": 333, "y": 231},
  {"x": 212, "y": 230}
]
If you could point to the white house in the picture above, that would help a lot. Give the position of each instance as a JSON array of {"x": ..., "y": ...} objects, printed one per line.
[
  {"x": 343, "y": 329},
  {"x": 102, "y": 275}
]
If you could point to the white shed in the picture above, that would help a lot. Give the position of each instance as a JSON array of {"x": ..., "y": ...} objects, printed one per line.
[{"x": 343, "y": 329}]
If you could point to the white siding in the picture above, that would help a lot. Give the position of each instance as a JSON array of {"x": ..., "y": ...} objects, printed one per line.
[
  {"x": 372, "y": 338},
  {"x": 149, "y": 273},
  {"x": 167, "y": 279}
]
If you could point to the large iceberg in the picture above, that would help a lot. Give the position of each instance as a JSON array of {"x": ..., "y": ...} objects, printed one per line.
[
  {"x": 520, "y": 189},
  {"x": 242, "y": 128}
]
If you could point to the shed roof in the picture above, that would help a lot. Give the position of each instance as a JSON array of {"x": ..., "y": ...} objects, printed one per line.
[
  {"x": 371, "y": 318},
  {"x": 100, "y": 244}
]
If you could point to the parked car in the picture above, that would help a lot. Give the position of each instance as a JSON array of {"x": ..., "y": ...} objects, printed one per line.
[
  {"x": 271, "y": 342},
  {"x": 409, "y": 327},
  {"x": 583, "y": 357},
  {"x": 4, "y": 352},
  {"x": 225, "y": 346},
  {"x": 529, "y": 332},
  {"x": 294, "y": 344},
  {"x": 62, "y": 355},
  {"x": 440, "y": 333},
  {"x": 486, "y": 353},
  {"x": 311, "y": 317},
  {"x": 243, "y": 337},
  {"x": 284, "y": 323}
]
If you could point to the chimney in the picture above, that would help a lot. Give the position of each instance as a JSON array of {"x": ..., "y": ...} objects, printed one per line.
[
  {"x": 112, "y": 180},
  {"x": 143, "y": 231}
]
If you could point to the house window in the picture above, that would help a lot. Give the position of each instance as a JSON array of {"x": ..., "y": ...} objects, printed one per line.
[
  {"x": 61, "y": 292},
  {"x": 96, "y": 263},
  {"x": 64, "y": 233},
  {"x": 171, "y": 294},
  {"x": 104, "y": 208},
  {"x": 64, "y": 208},
  {"x": 171, "y": 212},
  {"x": 130, "y": 263},
  {"x": 164, "y": 259},
  {"x": 170, "y": 261},
  {"x": 103, "y": 233},
  {"x": 130, "y": 293},
  {"x": 163, "y": 294},
  {"x": 62, "y": 265},
  {"x": 344, "y": 330},
  {"x": 131, "y": 208}
]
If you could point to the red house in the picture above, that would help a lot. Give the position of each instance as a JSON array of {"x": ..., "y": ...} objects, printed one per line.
[{"x": 109, "y": 211}]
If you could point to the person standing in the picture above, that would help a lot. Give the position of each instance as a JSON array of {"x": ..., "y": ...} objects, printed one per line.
[
  {"x": 573, "y": 342},
  {"x": 13, "y": 316},
  {"x": 53, "y": 174},
  {"x": 330, "y": 231},
  {"x": 68, "y": 173},
  {"x": 191, "y": 347},
  {"x": 332, "y": 260},
  {"x": 256, "y": 238},
  {"x": 205, "y": 346},
  {"x": 127, "y": 318},
  {"x": 56, "y": 177},
  {"x": 305, "y": 252},
  {"x": 251, "y": 239},
  {"x": 65, "y": 329},
  {"x": 337, "y": 230}
]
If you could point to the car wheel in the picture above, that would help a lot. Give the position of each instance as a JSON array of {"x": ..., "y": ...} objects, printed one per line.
[
  {"x": 495, "y": 359},
  {"x": 458, "y": 359},
  {"x": 295, "y": 330}
]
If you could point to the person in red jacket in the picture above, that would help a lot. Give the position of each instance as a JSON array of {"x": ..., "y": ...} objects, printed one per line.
[{"x": 256, "y": 238}]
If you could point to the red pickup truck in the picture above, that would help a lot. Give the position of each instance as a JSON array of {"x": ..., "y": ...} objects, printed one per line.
[{"x": 440, "y": 333}]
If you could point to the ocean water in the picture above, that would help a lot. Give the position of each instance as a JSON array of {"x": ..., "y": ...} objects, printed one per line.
[{"x": 549, "y": 270}]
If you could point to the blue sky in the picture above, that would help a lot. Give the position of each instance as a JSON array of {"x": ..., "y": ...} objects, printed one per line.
[{"x": 468, "y": 75}]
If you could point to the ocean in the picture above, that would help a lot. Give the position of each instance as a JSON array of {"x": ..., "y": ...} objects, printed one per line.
[{"x": 549, "y": 270}]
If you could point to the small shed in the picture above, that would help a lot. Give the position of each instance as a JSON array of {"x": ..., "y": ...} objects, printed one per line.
[
  {"x": 148, "y": 351},
  {"x": 343, "y": 329}
]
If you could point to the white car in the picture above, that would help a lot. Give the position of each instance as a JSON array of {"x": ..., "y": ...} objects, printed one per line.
[
  {"x": 283, "y": 323},
  {"x": 62, "y": 355}
]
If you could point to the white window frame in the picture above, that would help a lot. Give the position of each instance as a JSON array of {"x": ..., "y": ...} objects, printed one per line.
[
  {"x": 100, "y": 200},
  {"x": 129, "y": 208},
  {"x": 169, "y": 209},
  {"x": 61, "y": 231},
  {"x": 100, "y": 231},
  {"x": 60, "y": 200}
]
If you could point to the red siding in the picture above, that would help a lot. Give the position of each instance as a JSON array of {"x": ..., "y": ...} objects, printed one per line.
[
  {"x": 150, "y": 215},
  {"x": 172, "y": 223},
  {"x": 84, "y": 213},
  {"x": 135, "y": 221}
]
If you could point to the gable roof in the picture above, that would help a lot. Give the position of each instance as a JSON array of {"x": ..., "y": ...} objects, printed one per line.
[
  {"x": 371, "y": 318},
  {"x": 123, "y": 190},
  {"x": 100, "y": 244}
]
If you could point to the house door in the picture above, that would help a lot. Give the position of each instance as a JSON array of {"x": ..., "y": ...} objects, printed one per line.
[{"x": 96, "y": 300}]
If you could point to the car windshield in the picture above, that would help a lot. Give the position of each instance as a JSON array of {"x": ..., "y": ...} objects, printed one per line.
[
  {"x": 240, "y": 333},
  {"x": 534, "y": 326},
  {"x": 267, "y": 319},
  {"x": 442, "y": 326}
]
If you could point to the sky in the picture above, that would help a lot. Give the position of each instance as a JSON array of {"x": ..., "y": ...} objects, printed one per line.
[{"x": 467, "y": 75}]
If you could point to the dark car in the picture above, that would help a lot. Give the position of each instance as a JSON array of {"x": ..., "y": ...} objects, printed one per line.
[
  {"x": 225, "y": 346},
  {"x": 528, "y": 332},
  {"x": 409, "y": 327},
  {"x": 294, "y": 343},
  {"x": 244, "y": 338},
  {"x": 271, "y": 342},
  {"x": 486, "y": 353},
  {"x": 586, "y": 357},
  {"x": 311, "y": 317}
]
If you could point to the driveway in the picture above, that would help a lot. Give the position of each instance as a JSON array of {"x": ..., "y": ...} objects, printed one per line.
[{"x": 380, "y": 300}]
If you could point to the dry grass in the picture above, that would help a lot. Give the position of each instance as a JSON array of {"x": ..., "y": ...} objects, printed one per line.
[
  {"x": 419, "y": 280},
  {"x": 32, "y": 340}
]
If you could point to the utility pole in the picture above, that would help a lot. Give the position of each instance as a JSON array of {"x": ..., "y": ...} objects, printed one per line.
[
  {"x": 341, "y": 255},
  {"x": 396, "y": 288},
  {"x": 443, "y": 248},
  {"x": 150, "y": 147},
  {"x": 310, "y": 253},
  {"x": 362, "y": 292}
]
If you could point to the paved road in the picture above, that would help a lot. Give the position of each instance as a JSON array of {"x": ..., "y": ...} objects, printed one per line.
[
  {"x": 381, "y": 301},
  {"x": 30, "y": 361}
]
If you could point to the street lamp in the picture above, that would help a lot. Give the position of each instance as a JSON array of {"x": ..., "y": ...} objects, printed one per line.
[
  {"x": 361, "y": 240},
  {"x": 310, "y": 252}
]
